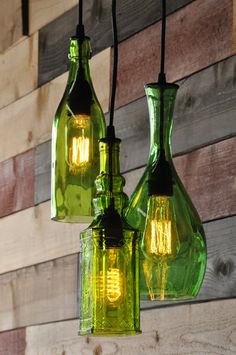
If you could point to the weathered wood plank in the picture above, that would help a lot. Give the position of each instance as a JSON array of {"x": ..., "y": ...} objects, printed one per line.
[
  {"x": 13, "y": 342},
  {"x": 29, "y": 237},
  {"x": 48, "y": 292},
  {"x": 18, "y": 70},
  {"x": 39, "y": 293},
  {"x": 207, "y": 328},
  {"x": 208, "y": 175},
  {"x": 204, "y": 113},
  {"x": 132, "y": 16},
  {"x": 11, "y": 24},
  {"x": 17, "y": 183},
  {"x": 198, "y": 36},
  {"x": 44, "y": 11},
  {"x": 202, "y": 172},
  {"x": 29, "y": 120}
]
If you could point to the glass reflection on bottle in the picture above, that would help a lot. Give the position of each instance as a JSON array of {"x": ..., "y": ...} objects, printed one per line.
[
  {"x": 78, "y": 125},
  {"x": 173, "y": 247}
]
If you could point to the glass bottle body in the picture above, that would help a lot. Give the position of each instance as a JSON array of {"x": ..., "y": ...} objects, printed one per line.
[
  {"x": 77, "y": 127},
  {"x": 173, "y": 247},
  {"x": 109, "y": 265}
]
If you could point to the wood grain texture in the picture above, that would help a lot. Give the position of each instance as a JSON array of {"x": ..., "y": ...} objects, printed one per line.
[
  {"x": 198, "y": 36},
  {"x": 132, "y": 16},
  {"x": 202, "y": 172},
  {"x": 18, "y": 70},
  {"x": 13, "y": 342},
  {"x": 37, "y": 294},
  {"x": 29, "y": 237},
  {"x": 17, "y": 183},
  {"x": 176, "y": 330},
  {"x": 48, "y": 292},
  {"x": 33, "y": 114},
  {"x": 208, "y": 175},
  {"x": 204, "y": 113},
  {"x": 11, "y": 24},
  {"x": 41, "y": 12}
]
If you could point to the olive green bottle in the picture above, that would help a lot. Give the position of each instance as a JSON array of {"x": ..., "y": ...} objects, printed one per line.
[
  {"x": 173, "y": 247},
  {"x": 109, "y": 258},
  {"x": 78, "y": 125}
]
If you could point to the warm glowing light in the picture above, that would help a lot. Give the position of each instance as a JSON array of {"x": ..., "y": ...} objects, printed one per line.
[
  {"x": 79, "y": 143},
  {"x": 160, "y": 243},
  {"x": 114, "y": 286},
  {"x": 110, "y": 285},
  {"x": 161, "y": 238},
  {"x": 160, "y": 235},
  {"x": 79, "y": 151}
]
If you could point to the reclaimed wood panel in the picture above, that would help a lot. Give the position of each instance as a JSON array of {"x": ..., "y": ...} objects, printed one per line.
[
  {"x": 33, "y": 114},
  {"x": 11, "y": 24},
  {"x": 41, "y": 12},
  {"x": 17, "y": 183},
  {"x": 18, "y": 70},
  {"x": 199, "y": 35},
  {"x": 175, "y": 330},
  {"x": 39, "y": 294},
  {"x": 132, "y": 16},
  {"x": 202, "y": 172},
  {"x": 48, "y": 292},
  {"x": 29, "y": 237},
  {"x": 13, "y": 342},
  {"x": 208, "y": 175},
  {"x": 204, "y": 113}
]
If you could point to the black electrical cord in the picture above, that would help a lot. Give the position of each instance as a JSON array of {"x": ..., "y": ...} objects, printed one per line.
[
  {"x": 80, "y": 12},
  {"x": 115, "y": 63},
  {"x": 162, "y": 76},
  {"x": 110, "y": 129}
]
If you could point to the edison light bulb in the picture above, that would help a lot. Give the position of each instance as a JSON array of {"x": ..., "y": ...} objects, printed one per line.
[
  {"x": 111, "y": 285},
  {"x": 160, "y": 240},
  {"x": 79, "y": 143}
]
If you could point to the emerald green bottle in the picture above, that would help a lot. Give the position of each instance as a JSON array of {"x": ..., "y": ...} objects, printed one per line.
[
  {"x": 173, "y": 246},
  {"x": 109, "y": 258},
  {"x": 78, "y": 125}
]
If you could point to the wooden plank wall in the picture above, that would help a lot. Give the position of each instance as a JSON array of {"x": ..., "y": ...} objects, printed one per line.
[{"x": 38, "y": 257}]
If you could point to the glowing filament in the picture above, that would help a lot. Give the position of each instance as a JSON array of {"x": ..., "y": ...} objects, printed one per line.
[
  {"x": 161, "y": 239},
  {"x": 78, "y": 143},
  {"x": 113, "y": 285},
  {"x": 80, "y": 151},
  {"x": 160, "y": 236}
]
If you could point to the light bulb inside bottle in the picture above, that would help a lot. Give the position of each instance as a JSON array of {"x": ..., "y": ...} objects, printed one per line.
[
  {"x": 160, "y": 243},
  {"x": 79, "y": 143},
  {"x": 161, "y": 238},
  {"x": 111, "y": 283}
]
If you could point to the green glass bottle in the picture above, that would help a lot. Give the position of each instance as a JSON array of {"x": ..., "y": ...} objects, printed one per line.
[
  {"x": 109, "y": 258},
  {"x": 173, "y": 247},
  {"x": 78, "y": 125}
]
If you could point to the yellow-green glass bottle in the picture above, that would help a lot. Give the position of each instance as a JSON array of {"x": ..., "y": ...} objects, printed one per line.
[
  {"x": 173, "y": 247},
  {"x": 78, "y": 125},
  {"x": 109, "y": 258}
]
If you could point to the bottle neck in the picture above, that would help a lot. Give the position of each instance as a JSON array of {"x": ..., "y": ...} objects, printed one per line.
[
  {"x": 80, "y": 55},
  {"x": 104, "y": 196},
  {"x": 153, "y": 93}
]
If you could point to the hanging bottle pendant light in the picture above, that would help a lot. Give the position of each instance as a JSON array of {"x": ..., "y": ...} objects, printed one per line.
[
  {"x": 109, "y": 258},
  {"x": 78, "y": 125},
  {"x": 173, "y": 247}
]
